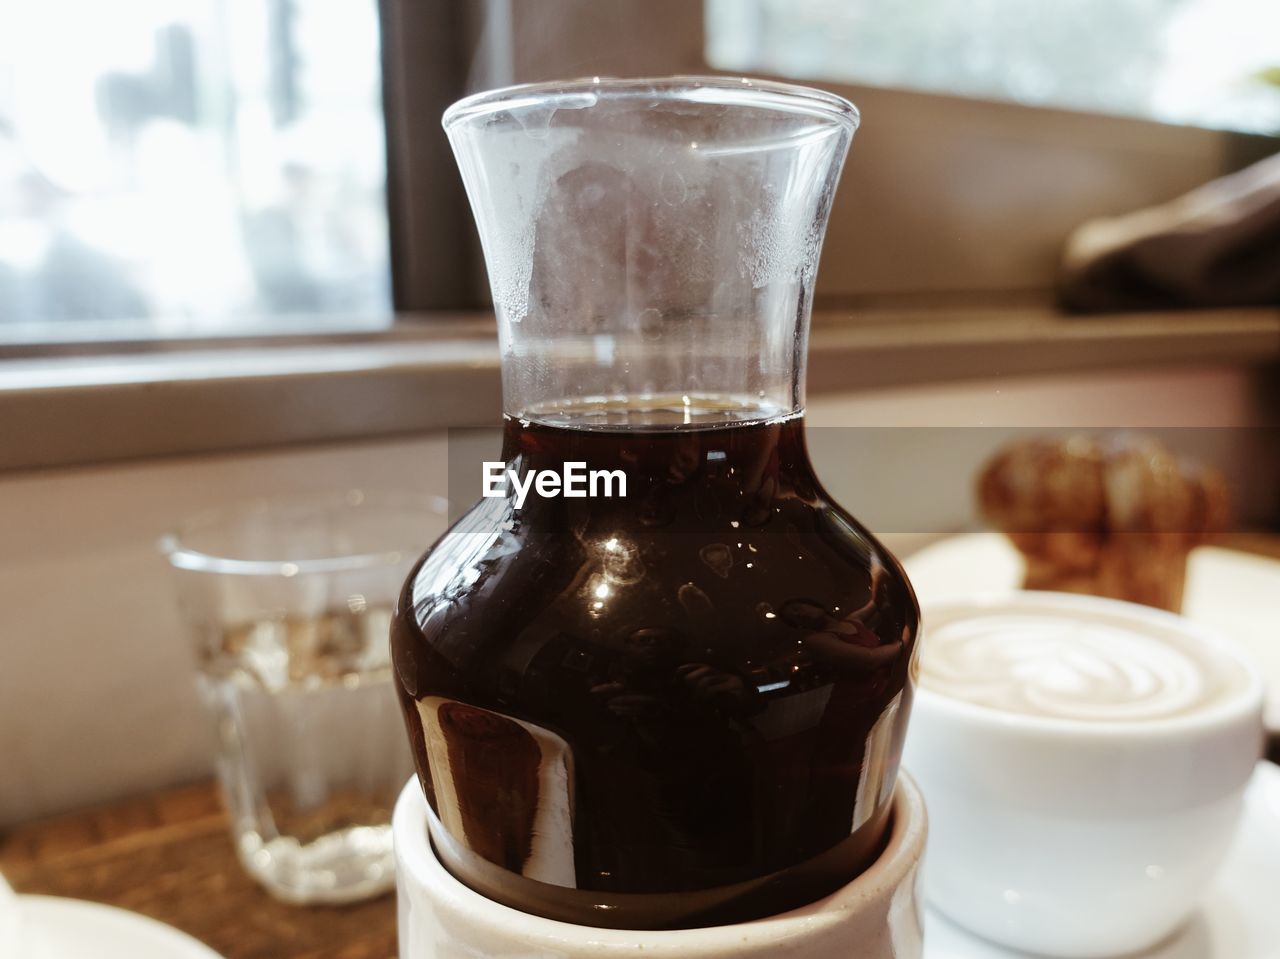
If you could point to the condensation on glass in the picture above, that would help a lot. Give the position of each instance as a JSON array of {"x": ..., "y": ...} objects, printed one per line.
[
  {"x": 652, "y": 241},
  {"x": 190, "y": 167}
]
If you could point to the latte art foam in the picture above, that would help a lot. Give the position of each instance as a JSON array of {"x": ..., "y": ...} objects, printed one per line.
[{"x": 1073, "y": 664}]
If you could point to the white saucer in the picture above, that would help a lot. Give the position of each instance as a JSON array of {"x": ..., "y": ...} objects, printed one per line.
[
  {"x": 1237, "y": 594},
  {"x": 74, "y": 929},
  {"x": 1239, "y": 920}
]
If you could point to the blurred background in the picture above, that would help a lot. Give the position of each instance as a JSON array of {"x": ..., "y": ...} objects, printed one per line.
[
  {"x": 236, "y": 261},
  {"x": 166, "y": 167},
  {"x": 210, "y": 167}
]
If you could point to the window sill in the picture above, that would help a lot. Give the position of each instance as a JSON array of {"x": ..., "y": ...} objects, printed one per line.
[
  {"x": 900, "y": 347},
  {"x": 164, "y": 400}
]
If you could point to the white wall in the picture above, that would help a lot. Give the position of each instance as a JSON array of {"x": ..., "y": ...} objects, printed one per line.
[
  {"x": 95, "y": 670},
  {"x": 96, "y": 696},
  {"x": 926, "y": 487}
]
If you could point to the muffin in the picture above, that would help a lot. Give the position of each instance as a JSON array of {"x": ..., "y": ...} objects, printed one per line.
[{"x": 1113, "y": 517}]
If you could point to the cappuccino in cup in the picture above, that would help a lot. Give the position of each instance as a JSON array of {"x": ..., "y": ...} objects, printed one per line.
[
  {"x": 1084, "y": 762},
  {"x": 1097, "y": 664}
]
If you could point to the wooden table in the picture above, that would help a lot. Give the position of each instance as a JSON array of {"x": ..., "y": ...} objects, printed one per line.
[{"x": 168, "y": 855}]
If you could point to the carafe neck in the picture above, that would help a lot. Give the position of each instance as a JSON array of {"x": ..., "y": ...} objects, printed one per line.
[{"x": 652, "y": 244}]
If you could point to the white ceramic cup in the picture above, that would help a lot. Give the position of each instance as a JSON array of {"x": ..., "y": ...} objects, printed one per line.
[
  {"x": 1086, "y": 816},
  {"x": 876, "y": 916}
]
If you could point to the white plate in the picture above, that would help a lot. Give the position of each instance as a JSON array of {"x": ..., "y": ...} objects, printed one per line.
[
  {"x": 73, "y": 929},
  {"x": 1237, "y": 594},
  {"x": 1239, "y": 920}
]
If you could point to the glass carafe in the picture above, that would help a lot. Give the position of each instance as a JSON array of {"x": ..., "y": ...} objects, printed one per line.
[{"x": 683, "y": 706}]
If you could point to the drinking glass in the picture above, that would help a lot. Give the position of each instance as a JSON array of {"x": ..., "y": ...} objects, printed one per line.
[{"x": 289, "y": 604}]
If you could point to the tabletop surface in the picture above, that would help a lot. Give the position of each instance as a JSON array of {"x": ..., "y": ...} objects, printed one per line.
[{"x": 168, "y": 855}]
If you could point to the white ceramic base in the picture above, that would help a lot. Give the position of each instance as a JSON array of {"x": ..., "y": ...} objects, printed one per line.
[{"x": 877, "y": 916}]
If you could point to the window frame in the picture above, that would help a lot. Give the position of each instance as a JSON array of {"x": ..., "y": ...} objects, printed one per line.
[{"x": 424, "y": 70}]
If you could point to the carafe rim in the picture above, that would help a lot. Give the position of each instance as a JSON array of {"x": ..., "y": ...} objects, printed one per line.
[{"x": 582, "y": 92}]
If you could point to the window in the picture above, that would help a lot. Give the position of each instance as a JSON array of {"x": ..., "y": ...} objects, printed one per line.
[
  {"x": 1200, "y": 62},
  {"x": 189, "y": 170},
  {"x": 177, "y": 167}
]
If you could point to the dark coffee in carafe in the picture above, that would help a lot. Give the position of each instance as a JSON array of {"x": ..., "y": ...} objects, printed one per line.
[{"x": 681, "y": 707}]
